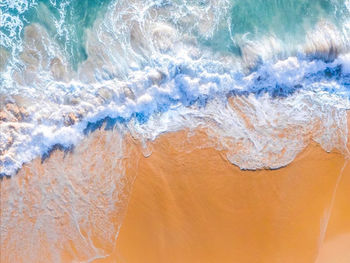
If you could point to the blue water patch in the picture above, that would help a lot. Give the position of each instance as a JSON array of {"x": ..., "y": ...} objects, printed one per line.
[
  {"x": 286, "y": 20},
  {"x": 264, "y": 82},
  {"x": 54, "y": 148},
  {"x": 65, "y": 20}
]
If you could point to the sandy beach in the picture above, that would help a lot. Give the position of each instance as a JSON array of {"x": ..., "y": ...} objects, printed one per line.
[
  {"x": 183, "y": 203},
  {"x": 200, "y": 208}
]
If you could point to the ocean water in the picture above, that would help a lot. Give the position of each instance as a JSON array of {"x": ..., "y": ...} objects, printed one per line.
[
  {"x": 263, "y": 79},
  {"x": 68, "y": 65}
]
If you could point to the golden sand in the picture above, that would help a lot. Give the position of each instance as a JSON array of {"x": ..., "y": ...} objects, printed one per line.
[
  {"x": 197, "y": 207},
  {"x": 187, "y": 204}
]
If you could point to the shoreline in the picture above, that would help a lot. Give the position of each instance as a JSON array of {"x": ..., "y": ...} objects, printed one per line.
[{"x": 109, "y": 124}]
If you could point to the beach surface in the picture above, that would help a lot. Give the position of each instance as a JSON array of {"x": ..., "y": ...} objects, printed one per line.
[
  {"x": 183, "y": 203},
  {"x": 197, "y": 207}
]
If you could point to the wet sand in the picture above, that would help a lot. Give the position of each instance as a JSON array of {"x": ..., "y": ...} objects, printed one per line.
[
  {"x": 70, "y": 207},
  {"x": 187, "y": 204}
]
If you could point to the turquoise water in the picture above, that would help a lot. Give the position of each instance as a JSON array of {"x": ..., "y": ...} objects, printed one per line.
[
  {"x": 280, "y": 17},
  {"x": 66, "y": 21},
  {"x": 287, "y": 20},
  {"x": 77, "y": 17}
]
